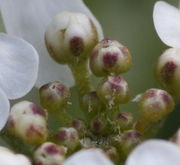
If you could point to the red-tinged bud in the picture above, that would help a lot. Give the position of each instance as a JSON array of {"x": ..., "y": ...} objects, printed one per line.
[
  {"x": 110, "y": 57},
  {"x": 28, "y": 121},
  {"x": 113, "y": 90},
  {"x": 155, "y": 104},
  {"x": 49, "y": 154}
]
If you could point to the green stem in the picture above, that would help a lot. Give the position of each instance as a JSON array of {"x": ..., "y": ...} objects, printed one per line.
[
  {"x": 179, "y": 4},
  {"x": 81, "y": 75}
]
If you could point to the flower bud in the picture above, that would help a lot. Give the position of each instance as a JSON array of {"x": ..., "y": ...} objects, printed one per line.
[
  {"x": 113, "y": 90},
  {"x": 28, "y": 121},
  {"x": 70, "y": 36},
  {"x": 54, "y": 96},
  {"x": 129, "y": 140},
  {"x": 99, "y": 125},
  {"x": 123, "y": 120},
  {"x": 79, "y": 125},
  {"x": 49, "y": 154},
  {"x": 155, "y": 104},
  {"x": 91, "y": 104},
  {"x": 168, "y": 71},
  {"x": 67, "y": 137},
  {"x": 176, "y": 138},
  {"x": 110, "y": 57}
]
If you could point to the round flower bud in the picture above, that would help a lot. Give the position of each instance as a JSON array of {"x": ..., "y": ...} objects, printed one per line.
[
  {"x": 68, "y": 137},
  {"x": 129, "y": 140},
  {"x": 49, "y": 154},
  {"x": 28, "y": 121},
  {"x": 168, "y": 71},
  {"x": 113, "y": 90},
  {"x": 99, "y": 125},
  {"x": 79, "y": 125},
  {"x": 70, "y": 36},
  {"x": 91, "y": 104},
  {"x": 123, "y": 120},
  {"x": 155, "y": 104},
  {"x": 110, "y": 57},
  {"x": 54, "y": 96}
]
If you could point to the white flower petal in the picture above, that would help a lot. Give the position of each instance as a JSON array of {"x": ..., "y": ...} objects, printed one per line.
[
  {"x": 155, "y": 152},
  {"x": 4, "y": 109},
  {"x": 167, "y": 23},
  {"x": 29, "y": 19},
  {"x": 18, "y": 66},
  {"x": 9, "y": 158},
  {"x": 88, "y": 157}
]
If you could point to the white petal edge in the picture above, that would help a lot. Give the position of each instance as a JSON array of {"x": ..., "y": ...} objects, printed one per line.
[
  {"x": 29, "y": 19},
  {"x": 88, "y": 157},
  {"x": 167, "y": 23},
  {"x": 9, "y": 158},
  {"x": 155, "y": 152},
  {"x": 4, "y": 109},
  {"x": 18, "y": 66}
]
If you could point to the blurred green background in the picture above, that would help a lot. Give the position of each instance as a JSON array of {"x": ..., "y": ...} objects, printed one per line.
[{"x": 130, "y": 22}]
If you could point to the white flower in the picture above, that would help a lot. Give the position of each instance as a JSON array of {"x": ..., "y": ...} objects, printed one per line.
[
  {"x": 29, "y": 19},
  {"x": 167, "y": 23},
  {"x": 155, "y": 152},
  {"x": 18, "y": 71},
  {"x": 9, "y": 158},
  {"x": 88, "y": 157}
]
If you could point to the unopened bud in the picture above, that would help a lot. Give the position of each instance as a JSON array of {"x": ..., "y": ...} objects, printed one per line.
[
  {"x": 155, "y": 104},
  {"x": 70, "y": 36},
  {"x": 91, "y": 104},
  {"x": 168, "y": 71},
  {"x": 99, "y": 125},
  {"x": 129, "y": 140},
  {"x": 49, "y": 154},
  {"x": 113, "y": 90},
  {"x": 80, "y": 126},
  {"x": 123, "y": 120},
  {"x": 54, "y": 96},
  {"x": 68, "y": 137},
  {"x": 110, "y": 57},
  {"x": 28, "y": 121}
]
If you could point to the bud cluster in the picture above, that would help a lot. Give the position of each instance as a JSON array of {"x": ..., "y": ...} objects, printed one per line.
[{"x": 72, "y": 39}]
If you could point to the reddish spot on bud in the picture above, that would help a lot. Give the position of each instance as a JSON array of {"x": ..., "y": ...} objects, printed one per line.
[
  {"x": 151, "y": 93},
  {"x": 110, "y": 59},
  {"x": 132, "y": 135},
  {"x": 122, "y": 116},
  {"x": 37, "y": 110},
  {"x": 76, "y": 45},
  {"x": 62, "y": 135},
  {"x": 165, "y": 97},
  {"x": 76, "y": 123},
  {"x": 61, "y": 89},
  {"x": 34, "y": 130},
  {"x": 124, "y": 50},
  {"x": 168, "y": 71},
  {"x": 97, "y": 126},
  {"x": 115, "y": 83},
  {"x": 52, "y": 150}
]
